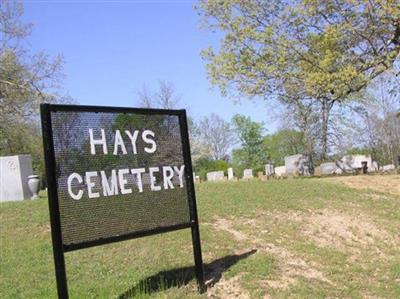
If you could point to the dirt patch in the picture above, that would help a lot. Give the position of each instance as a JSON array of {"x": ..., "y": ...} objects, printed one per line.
[
  {"x": 290, "y": 265},
  {"x": 381, "y": 183},
  {"x": 228, "y": 288},
  {"x": 226, "y": 225},
  {"x": 350, "y": 233},
  {"x": 347, "y": 233}
]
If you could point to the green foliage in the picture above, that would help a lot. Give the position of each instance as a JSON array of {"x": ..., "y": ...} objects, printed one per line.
[
  {"x": 205, "y": 165},
  {"x": 327, "y": 51},
  {"x": 284, "y": 143},
  {"x": 252, "y": 153},
  {"x": 330, "y": 48},
  {"x": 26, "y": 80}
]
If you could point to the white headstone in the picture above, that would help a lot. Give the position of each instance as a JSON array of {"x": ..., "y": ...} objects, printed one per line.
[
  {"x": 280, "y": 171},
  {"x": 248, "y": 174},
  {"x": 215, "y": 176},
  {"x": 14, "y": 172},
  {"x": 328, "y": 168},
  {"x": 230, "y": 174},
  {"x": 297, "y": 164},
  {"x": 389, "y": 167},
  {"x": 353, "y": 162},
  {"x": 269, "y": 170}
]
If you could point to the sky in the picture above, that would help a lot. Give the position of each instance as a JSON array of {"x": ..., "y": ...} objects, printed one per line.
[{"x": 112, "y": 49}]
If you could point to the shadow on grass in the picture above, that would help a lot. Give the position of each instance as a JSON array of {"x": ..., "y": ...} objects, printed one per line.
[{"x": 181, "y": 276}]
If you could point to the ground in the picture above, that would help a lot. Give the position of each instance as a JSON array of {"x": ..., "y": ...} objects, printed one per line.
[{"x": 296, "y": 238}]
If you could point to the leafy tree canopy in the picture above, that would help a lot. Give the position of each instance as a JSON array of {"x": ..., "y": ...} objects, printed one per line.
[
  {"x": 252, "y": 153},
  {"x": 284, "y": 143},
  {"x": 321, "y": 48}
]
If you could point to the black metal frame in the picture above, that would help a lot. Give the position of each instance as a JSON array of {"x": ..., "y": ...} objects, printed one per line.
[{"x": 58, "y": 247}]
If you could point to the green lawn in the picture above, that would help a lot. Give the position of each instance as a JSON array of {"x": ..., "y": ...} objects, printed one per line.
[{"x": 296, "y": 238}]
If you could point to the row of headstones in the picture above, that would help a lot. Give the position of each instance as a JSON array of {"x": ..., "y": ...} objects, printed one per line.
[
  {"x": 297, "y": 164},
  {"x": 214, "y": 176}
]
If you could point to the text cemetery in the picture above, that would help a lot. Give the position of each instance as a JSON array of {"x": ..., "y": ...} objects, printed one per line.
[{"x": 123, "y": 181}]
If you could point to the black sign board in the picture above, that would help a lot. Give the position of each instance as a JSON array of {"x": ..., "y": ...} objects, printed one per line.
[{"x": 115, "y": 174}]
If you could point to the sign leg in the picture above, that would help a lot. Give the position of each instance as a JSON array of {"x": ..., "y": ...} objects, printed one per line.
[
  {"x": 198, "y": 260},
  {"x": 61, "y": 275}
]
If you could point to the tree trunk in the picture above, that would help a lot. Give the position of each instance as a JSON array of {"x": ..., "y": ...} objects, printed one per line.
[
  {"x": 310, "y": 150},
  {"x": 326, "y": 109}
]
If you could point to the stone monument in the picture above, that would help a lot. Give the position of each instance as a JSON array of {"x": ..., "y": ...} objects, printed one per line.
[
  {"x": 297, "y": 165},
  {"x": 14, "y": 172},
  {"x": 350, "y": 163},
  {"x": 328, "y": 168},
  {"x": 280, "y": 171},
  {"x": 247, "y": 174},
  {"x": 214, "y": 176},
  {"x": 230, "y": 174}
]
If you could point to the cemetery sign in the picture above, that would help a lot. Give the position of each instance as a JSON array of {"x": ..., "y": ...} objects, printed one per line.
[{"x": 115, "y": 174}]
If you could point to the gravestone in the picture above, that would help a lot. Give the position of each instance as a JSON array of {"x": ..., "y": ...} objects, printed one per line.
[
  {"x": 388, "y": 168},
  {"x": 280, "y": 171},
  {"x": 354, "y": 162},
  {"x": 230, "y": 174},
  {"x": 214, "y": 176},
  {"x": 247, "y": 174},
  {"x": 269, "y": 170},
  {"x": 328, "y": 168},
  {"x": 297, "y": 165},
  {"x": 14, "y": 172}
]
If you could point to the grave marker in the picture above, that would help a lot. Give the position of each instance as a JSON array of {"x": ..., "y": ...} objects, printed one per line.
[
  {"x": 247, "y": 174},
  {"x": 230, "y": 174},
  {"x": 14, "y": 172}
]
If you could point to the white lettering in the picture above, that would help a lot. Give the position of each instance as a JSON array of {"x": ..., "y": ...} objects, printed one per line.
[
  {"x": 145, "y": 138},
  {"x": 180, "y": 173},
  {"x": 133, "y": 139},
  {"x": 123, "y": 181},
  {"x": 119, "y": 143},
  {"x": 89, "y": 175},
  {"x": 153, "y": 187},
  {"x": 94, "y": 142},
  {"x": 110, "y": 186},
  {"x": 80, "y": 180},
  {"x": 138, "y": 172},
  {"x": 168, "y": 174}
]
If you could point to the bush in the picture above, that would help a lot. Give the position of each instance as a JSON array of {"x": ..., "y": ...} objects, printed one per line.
[{"x": 207, "y": 165}]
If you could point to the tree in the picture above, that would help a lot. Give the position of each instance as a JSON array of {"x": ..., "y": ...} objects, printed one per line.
[
  {"x": 165, "y": 97},
  {"x": 321, "y": 50},
  {"x": 198, "y": 149},
  {"x": 252, "y": 152},
  {"x": 217, "y": 135},
  {"x": 26, "y": 80},
  {"x": 377, "y": 125},
  {"x": 284, "y": 143}
]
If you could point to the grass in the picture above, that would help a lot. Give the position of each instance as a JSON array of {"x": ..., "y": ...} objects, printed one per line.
[{"x": 296, "y": 238}]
